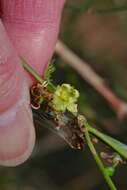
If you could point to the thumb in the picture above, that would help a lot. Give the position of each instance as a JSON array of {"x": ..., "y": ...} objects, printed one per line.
[
  {"x": 33, "y": 28},
  {"x": 17, "y": 136}
]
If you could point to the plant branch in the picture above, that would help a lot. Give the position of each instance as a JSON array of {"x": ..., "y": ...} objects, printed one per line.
[
  {"x": 30, "y": 70},
  {"x": 98, "y": 160},
  {"x": 87, "y": 73},
  {"x": 33, "y": 73},
  {"x": 115, "y": 144}
]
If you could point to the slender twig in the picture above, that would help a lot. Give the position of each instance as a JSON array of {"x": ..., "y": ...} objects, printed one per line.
[
  {"x": 35, "y": 74},
  {"x": 115, "y": 144},
  {"x": 98, "y": 160},
  {"x": 31, "y": 71},
  {"x": 88, "y": 74}
]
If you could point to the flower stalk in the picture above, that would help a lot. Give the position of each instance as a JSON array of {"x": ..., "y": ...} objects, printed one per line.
[
  {"x": 97, "y": 159},
  {"x": 65, "y": 99}
]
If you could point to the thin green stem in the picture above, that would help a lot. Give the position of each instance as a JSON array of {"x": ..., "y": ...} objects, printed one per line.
[
  {"x": 115, "y": 144},
  {"x": 98, "y": 160},
  {"x": 34, "y": 74},
  {"x": 30, "y": 70}
]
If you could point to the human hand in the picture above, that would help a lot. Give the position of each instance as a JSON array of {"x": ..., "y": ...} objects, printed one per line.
[{"x": 28, "y": 28}]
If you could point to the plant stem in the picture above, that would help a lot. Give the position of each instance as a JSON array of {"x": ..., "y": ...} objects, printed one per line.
[
  {"x": 30, "y": 70},
  {"x": 98, "y": 160},
  {"x": 34, "y": 74},
  {"x": 115, "y": 144}
]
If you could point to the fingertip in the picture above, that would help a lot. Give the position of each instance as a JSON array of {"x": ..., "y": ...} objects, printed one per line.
[
  {"x": 17, "y": 133},
  {"x": 17, "y": 138}
]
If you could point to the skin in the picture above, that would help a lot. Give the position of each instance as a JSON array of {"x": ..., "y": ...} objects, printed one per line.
[{"x": 28, "y": 28}]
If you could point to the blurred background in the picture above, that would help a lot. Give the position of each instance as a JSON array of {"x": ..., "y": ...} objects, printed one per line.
[{"x": 96, "y": 31}]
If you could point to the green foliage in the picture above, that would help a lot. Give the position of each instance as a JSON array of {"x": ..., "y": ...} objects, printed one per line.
[
  {"x": 48, "y": 72},
  {"x": 65, "y": 98},
  {"x": 115, "y": 144}
]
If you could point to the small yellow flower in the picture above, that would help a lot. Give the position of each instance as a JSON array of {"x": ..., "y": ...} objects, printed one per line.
[{"x": 65, "y": 98}]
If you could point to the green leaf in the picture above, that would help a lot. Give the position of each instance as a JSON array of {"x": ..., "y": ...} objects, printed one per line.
[
  {"x": 48, "y": 72},
  {"x": 115, "y": 144}
]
